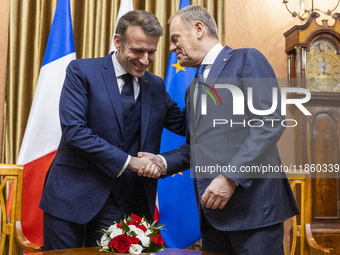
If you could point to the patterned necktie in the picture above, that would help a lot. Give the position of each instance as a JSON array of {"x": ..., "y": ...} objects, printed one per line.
[{"x": 127, "y": 95}]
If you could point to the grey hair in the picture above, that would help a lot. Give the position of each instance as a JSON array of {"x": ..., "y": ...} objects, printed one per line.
[
  {"x": 192, "y": 13},
  {"x": 144, "y": 19}
]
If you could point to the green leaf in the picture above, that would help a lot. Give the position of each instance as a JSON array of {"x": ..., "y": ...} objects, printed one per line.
[
  {"x": 106, "y": 232},
  {"x": 144, "y": 220},
  {"x": 157, "y": 248},
  {"x": 159, "y": 226},
  {"x": 107, "y": 250},
  {"x": 125, "y": 227},
  {"x": 154, "y": 234}
]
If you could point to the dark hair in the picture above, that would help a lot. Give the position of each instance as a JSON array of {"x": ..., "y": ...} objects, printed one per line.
[
  {"x": 192, "y": 13},
  {"x": 144, "y": 19}
]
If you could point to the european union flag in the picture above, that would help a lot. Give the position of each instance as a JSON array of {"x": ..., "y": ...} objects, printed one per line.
[{"x": 176, "y": 194}]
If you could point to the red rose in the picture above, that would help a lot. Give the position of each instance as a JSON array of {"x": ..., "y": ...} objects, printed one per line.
[
  {"x": 136, "y": 218},
  {"x": 120, "y": 243},
  {"x": 134, "y": 223},
  {"x": 119, "y": 225},
  {"x": 142, "y": 227},
  {"x": 134, "y": 240},
  {"x": 158, "y": 240}
]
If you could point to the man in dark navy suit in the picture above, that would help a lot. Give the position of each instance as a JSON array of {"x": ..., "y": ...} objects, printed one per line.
[
  {"x": 239, "y": 212},
  {"x": 110, "y": 108}
]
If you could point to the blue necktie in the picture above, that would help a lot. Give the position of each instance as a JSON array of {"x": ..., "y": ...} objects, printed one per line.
[
  {"x": 127, "y": 94},
  {"x": 200, "y": 72},
  {"x": 200, "y": 80}
]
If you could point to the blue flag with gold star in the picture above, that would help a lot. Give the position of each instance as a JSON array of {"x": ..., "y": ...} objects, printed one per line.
[{"x": 176, "y": 194}]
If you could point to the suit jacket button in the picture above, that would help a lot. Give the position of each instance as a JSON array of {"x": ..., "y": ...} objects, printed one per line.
[
  {"x": 196, "y": 141},
  {"x": 120, "y": 146}
]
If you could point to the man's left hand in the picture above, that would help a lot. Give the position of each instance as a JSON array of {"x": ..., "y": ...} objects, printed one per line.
[{"x": 218, "y": 193}]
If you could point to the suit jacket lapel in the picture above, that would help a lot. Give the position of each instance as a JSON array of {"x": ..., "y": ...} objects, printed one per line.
[
  {"x": 189, "y": 109},
  {"x": 195, "y": 111},
  {"x": 215, "y": 71},
  {"x": 220, "y": 62},
  {"x": 145, "y": 96},
  {"x": 110, "y": 81}
]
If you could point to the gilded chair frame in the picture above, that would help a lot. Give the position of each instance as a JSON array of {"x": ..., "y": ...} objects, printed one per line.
[
  {"x": 11, "y": 226},
  {"x": 302, "y": 230}
]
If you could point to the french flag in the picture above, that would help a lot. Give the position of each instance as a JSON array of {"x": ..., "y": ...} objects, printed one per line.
[{"x": 43, "y": 131}]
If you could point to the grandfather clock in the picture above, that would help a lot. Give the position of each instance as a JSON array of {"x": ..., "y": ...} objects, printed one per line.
[{"x": 313, "y": 52}]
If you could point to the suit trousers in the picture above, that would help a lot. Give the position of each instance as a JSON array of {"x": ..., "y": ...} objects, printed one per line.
[
  {"x": 62, "y": 234},
  {"x": 261, "y": 241}
]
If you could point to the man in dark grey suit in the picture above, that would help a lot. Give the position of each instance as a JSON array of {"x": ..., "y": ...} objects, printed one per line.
[{"x": 239, "y": 212}]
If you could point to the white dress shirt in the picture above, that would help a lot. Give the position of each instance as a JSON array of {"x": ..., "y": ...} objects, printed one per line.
[
  {"x": 120, "y": 71},
  {"x": 210, "y": 58}
]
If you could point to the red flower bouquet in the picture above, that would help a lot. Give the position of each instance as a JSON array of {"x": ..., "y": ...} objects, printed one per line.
[{"x": 133, "y": 235}]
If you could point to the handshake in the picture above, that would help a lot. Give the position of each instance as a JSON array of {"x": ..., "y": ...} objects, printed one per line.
[{"x": 147, "y": 164}]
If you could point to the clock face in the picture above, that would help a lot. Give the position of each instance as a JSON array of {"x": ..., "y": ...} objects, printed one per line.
[{"x": 323, "y": 67}]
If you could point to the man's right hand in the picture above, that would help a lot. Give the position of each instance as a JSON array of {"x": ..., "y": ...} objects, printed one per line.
[
  {"x": 154, "y": 170},
  {"x": 144, "y": 166},
  {"x": 136, "y": 163}
]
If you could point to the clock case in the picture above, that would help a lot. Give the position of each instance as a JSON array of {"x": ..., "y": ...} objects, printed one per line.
[
  {"x": 299, "y": 41},
  {"x": 317, "y": 136}
]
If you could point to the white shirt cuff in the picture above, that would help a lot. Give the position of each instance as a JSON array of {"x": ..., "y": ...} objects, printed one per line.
[
  {"x": 125, "y": 165},
  {"x": 166, "y": 165}
]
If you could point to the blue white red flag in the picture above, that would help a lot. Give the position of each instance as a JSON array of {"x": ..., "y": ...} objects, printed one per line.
[{"x": 43, "y": 132}]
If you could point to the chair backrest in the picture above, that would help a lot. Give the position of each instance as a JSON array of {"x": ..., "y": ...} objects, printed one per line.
[
  {"x": 11, "y": 224},
  {"x": 295, "y": 226},
  {"x": 13, "y": 175}
]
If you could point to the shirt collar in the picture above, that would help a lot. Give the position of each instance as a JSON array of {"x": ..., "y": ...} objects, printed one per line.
[
  {"x": 212, "y": 55},
  {"x": 119, "y": 70}
]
